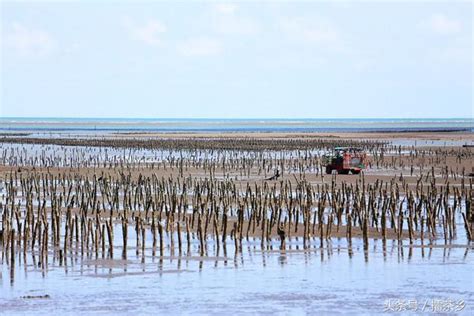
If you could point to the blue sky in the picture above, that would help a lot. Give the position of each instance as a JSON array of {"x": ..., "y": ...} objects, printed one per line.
[{"x": 236, "y": 59}]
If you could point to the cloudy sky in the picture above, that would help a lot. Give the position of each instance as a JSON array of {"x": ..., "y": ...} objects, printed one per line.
[{"x": 236, "y": 60}]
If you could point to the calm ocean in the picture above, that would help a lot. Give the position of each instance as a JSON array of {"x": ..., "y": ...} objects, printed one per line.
[{"x": 94, "y": 125}]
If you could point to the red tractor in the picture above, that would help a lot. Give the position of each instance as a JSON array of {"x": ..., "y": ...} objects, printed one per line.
[{"x": 345, "y": 160}]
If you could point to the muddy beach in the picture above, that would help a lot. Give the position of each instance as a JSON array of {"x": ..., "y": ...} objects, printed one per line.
[{"x": 190, "y": 208}]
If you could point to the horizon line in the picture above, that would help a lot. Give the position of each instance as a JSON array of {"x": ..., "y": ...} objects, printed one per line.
[{"x": 235, "y": 118}]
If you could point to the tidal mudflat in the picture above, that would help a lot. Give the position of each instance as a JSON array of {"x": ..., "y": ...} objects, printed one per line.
[{"x": 200, "y": 224}]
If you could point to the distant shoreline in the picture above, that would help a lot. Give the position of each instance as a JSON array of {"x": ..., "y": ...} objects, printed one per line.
[
  {"x": 145, "y": 139},
  {"x": 228, "y": 126},
  {"x": 130, "y": 131},
  {"x": 132, "y": 127}
]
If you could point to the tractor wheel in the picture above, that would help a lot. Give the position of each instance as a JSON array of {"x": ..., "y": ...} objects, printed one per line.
[
  {"x": 343, "y": 171},
  {"x": 328, "y": 170},
  {"x": 355, "y": 171}
]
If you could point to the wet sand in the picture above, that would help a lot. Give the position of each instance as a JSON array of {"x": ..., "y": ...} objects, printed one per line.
[
  {"x": 338, "y": 274},
  {"x": 465, "y": 136}
]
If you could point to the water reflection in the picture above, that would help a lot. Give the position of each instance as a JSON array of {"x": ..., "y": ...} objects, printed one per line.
[
  {"x": 84, "y": 264},
  {"x": 340, "y": 269}
]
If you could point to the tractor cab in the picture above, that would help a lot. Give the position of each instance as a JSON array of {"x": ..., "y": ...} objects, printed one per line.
[{"x": 344, "y": 160}]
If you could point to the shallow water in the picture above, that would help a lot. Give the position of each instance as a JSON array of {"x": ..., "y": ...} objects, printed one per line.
[
  {"x": 71, "y": 156},
  {"x": 456, "y": 141},
  {"x": 329, "y": 280}
]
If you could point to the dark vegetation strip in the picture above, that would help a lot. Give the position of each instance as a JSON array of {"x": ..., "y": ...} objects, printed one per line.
[{"x": 199, "y": 143}]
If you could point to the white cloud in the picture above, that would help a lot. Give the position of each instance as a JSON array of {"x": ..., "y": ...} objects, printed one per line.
[
  {"x": 201, "y": 46},
  {"x": 226, "y": 21},
  {"x": 309, "y": 30},
  {"x": 442, "y": 24},
  {"x": 149, "y": 33},
  {"x": 226, "y": 8},
  {"x": 29, "y": 42}
]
